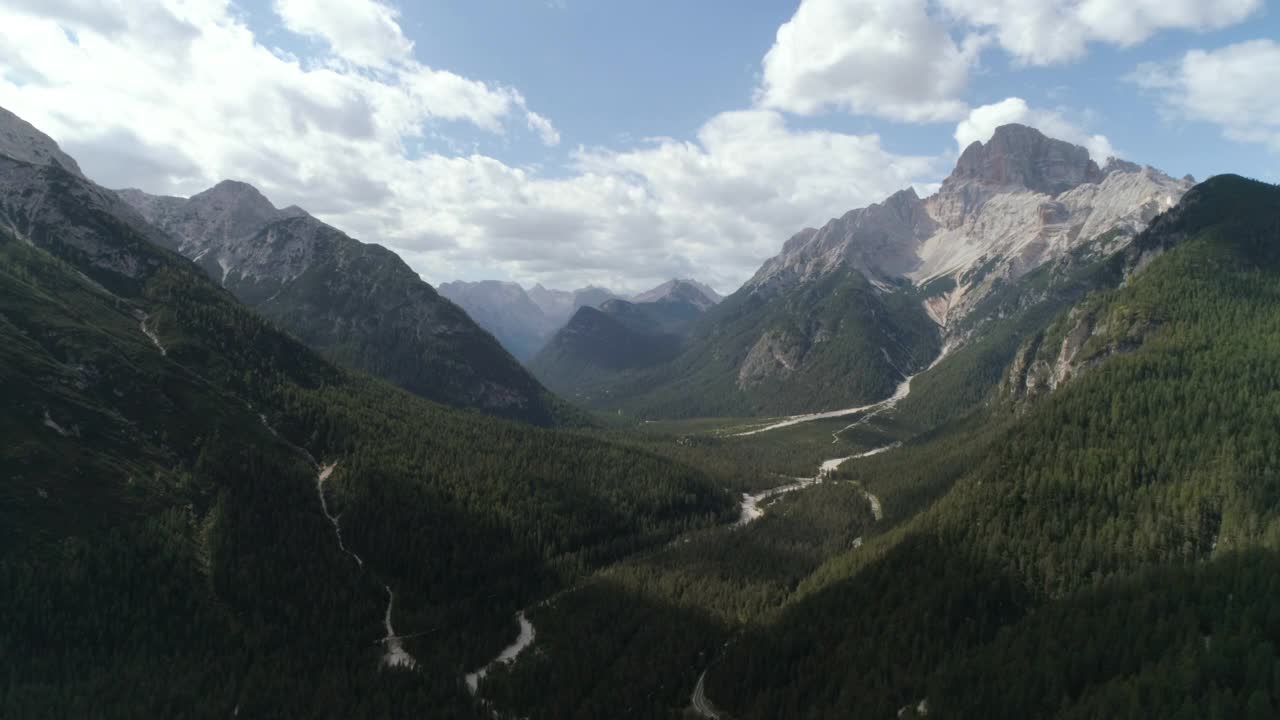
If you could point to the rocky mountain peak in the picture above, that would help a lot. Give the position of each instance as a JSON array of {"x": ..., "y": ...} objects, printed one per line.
[
  {"x": 1011, "y": 204},
  {"x": 1023, "y": 157},
  {"x": 879, "y": 240},
  {"x": 237, "y": 206},
  {"x": 214, "y": 222},
  {"x": 21, "y": 140}
]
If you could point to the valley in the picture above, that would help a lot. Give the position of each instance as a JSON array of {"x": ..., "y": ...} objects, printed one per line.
[{"x": 1007, "y": 448}]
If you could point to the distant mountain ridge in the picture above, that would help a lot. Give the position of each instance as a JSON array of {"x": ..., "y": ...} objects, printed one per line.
[
  {"x": 521, "y": 320},
  {"x": 525, "y": 320},
  {"x": 358, "y": 303},
  {"x": 599, "y": 343},
  {"x": 506, "y": 311},
  {"x": 685, "y": 289}
]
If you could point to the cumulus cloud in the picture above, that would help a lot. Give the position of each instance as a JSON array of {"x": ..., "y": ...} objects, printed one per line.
[
  {"x": 879, "y": 57},
  {"x": 714, "y": 207},
  {"x": 910, "y": 60},
  {"x": 1041, "y": 32},
  {"x": 1233, "y": 87},
  {"x": 364, "y": 32},
  {"x": 982, "y": 122},
  {"x": 201, "y": 99}
]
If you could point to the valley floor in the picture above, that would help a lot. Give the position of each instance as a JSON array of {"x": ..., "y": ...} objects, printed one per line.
[{"x": 673, "y": 576}]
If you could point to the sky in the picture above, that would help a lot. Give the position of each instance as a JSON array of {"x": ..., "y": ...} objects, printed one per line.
[{"x": 576, "y": 142}]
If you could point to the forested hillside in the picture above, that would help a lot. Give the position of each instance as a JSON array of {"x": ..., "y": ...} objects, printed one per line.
[
  {"x": 1145, "y": 485},
  {"x": 598, "y": 345},
  {"x": 1049, "y": 489},
  {"x": 1101, "y": 547},
  {"x": 833, "y": 343},
  {"x": 163, "y": 539}
]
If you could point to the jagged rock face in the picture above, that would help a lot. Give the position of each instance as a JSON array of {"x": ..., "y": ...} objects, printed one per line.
[
  {"x": 47, "y": 205},
  {"x": 215, "y": 226},
  {"x": 880, "y": 241},
  {"x": 20, "y": 140},
  {"x": 1022, "y": 157},
  {"x": 1010, "y": 205}
]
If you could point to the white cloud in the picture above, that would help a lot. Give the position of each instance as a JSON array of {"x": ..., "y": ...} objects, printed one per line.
[
  {"x": 982, "y": 122},
  {"x": 879, "y": 57},
  {"x": 1041, "y": 32},
  {"x": 910, "y": 60},
  {"x": 714, "y": 208},
  {"x": 1232, "y": 87},
  {"x": 364, "y": 32},
  {"x": 178, "y": 110},
  {"x": 727, "y": 201},
  {"x": 550, "y": 136}
]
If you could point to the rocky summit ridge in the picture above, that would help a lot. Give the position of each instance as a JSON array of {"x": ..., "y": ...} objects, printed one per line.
[
  {"x": 21, "y": 140},
  {"x": 1011, "y": 204}
]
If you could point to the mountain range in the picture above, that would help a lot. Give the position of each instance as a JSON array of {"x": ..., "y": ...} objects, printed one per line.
[
  {"x": 357, "y": 303},
  {"x": 206, "y": 512},
  {"x": 524, "y": 321},
  {"x": 1006, "y": 451},
  {"x": 847, "y": 311}
]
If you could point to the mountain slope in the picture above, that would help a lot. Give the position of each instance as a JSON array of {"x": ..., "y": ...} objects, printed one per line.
[
  {"x": 597, "y": 345},
  {"x": 505, "y": 310},
  {"x": 161, "y": 436},
  {"x": 832, "y": 343},
  {"x": 1100, "y": 557},
  {"x": 358, "y": 303}
]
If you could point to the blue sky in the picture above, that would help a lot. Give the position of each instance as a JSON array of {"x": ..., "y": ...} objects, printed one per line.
[
  {"x": 599, "y": 141},
  {"x": 613, "y": 72}
]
